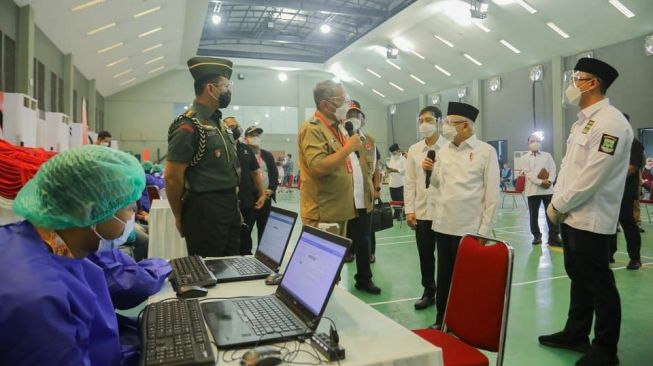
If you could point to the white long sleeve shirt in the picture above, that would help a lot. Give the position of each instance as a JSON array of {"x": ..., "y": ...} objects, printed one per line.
[
  {"x": 417, "y": 199},
  {"x": 467, "y": 180},
  {"x": 357, "y": 176},
  {"x": 533, "y": 163},
  {"x": 593, "y": 172},
  {"x": 397, "y": 179}
]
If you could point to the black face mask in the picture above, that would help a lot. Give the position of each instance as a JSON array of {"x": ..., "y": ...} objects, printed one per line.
[
  {"x": 224, "y": 99},
  {"x": 236, "y": 132}
]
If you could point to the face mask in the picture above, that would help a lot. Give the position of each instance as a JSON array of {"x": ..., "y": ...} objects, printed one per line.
[
  {"x": 427, "y": 129},
  {"x": 105, "y": 144},
  {"x": 534, "y": 146},
  {"x": 573, "y": 94},
  {"x": 355, "y": 122},
  {"x": 223, "y": 99},
  {"x": 236, "y": 132},
  {"x": 110, "y": 244},
  {"x": 449, "y": 132},
  {"x": 256, "y": 141},
  {"x": 341, "y": 112}
]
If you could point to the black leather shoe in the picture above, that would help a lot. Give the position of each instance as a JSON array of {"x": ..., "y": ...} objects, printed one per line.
[
  {"x": 368, "y": 287},
  {"x": 372, "y": 258},
  {"x": 562, "y": 340},
  {"x": 537, "y": 241},
  {"x": 598, "y": 356},
  {"x": 641, "y": 230},
  {"x": 350, "y": 258},
  {"x": 634, "y": 264},
  {"x": 436, "y": 326},
  {"x": 555, "y": 241},
  {"x": 424, "y": 302},
  {"x": 612, "y": 260}
]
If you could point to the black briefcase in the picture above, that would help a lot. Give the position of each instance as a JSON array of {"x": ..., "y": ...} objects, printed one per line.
[{"x": 381, "y": 216}]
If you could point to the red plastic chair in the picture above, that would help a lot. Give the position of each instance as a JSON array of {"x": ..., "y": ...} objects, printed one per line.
[
  {"x": 399, "y": 205},
  {"x": 477, "y": 309},
  {"x": 520, "y": 185},
  {"x": 646, "y": 203}
]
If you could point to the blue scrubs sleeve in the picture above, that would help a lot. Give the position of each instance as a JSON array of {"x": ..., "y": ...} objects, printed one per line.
[{"x": 131, "y": 283}]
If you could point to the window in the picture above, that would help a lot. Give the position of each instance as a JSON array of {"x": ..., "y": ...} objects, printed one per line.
[
  {"x": 53, "y": 92},
  {"x": 60, "y": 95},
  {"x": 39, "y": 82},
  {"x": 9, "y": 64},
  {"x": 74, "y": 114}
]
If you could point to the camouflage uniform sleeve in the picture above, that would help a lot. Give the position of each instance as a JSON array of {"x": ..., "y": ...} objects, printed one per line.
[{"x": 181, "y": 141}]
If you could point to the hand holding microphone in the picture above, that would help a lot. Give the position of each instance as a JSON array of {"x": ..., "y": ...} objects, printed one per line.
[
  {"x": 349, "y": 126},
  {"x": 427, "y": 165}
]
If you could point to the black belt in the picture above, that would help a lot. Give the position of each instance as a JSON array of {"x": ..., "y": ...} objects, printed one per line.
[{"x": 233, "y": 190}]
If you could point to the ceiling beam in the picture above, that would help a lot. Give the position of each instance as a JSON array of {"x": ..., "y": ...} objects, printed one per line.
[
  {"x": 261, "y": 55},
  {"x": 313, "y": 6},
  {"x": 270, "y": 38}
]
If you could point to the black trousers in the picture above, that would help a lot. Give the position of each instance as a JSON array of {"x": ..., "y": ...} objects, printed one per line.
[
  {"x": 211, "y": 223},
  {"x": 534, "y": 203},
  {"x": 397, "y": 194},
  {"x": 447, "y": 251},
  {"x": 425, "y": 238},
  {"x": 630, "y": 228},
  {"x": 249, "y": 218},
  {"x": 359, "y": 230},
  {"x": 372, "y": 241},
  {"x": 262, "y": 217},
  {"x": 593, "y": 289}
]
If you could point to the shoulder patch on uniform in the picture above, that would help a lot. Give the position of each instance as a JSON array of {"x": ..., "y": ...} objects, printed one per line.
[
  {"x": 608, "y": 144},
  {"x": 186, "y": 127},
  {"x": 588, "y": 127}
]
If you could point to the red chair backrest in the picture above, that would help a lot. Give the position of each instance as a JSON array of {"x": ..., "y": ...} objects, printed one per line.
[
  {"x": 520, "y": 184},
  {"x": 480, "y": 292}
]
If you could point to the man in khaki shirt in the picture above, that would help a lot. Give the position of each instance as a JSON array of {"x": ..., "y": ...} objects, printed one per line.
[{"x": 327, "y": 190}]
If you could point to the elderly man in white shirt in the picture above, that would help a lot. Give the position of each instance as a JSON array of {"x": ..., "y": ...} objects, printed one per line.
[
  {"x": 419, "y": 200},
  {"x": 540, "y": 172},
  {"x": 466, "y": 178},
  {"x": 586, "y": 201},
  {"x": 397, "y": 168}
]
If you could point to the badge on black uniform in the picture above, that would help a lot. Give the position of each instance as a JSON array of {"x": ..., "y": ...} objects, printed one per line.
[{"x": 608, "y": 144}]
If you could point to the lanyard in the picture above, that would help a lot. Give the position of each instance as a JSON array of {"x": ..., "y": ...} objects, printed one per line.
[{"x": 339, "y": 136}]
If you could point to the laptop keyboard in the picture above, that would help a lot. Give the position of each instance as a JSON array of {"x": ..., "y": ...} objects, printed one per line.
[
  {"x": 247, "y": 266},
  {"x": 267, "y": 316}
]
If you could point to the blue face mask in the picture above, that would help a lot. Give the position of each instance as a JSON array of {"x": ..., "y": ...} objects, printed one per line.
[{"x": 110, "y": 244}]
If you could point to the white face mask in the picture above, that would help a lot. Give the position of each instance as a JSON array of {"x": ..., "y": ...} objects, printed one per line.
[
  {"x": 427, "y": 129},
  {"x": 110, "y": 244},
  {"x": 341, "y": 112},
  {"x": 105, "y": 144},
  {"x": 256, "y": 141},
  {"x": 356, "y": 122},
  {"x": 449, "y": 132},
  {"x": 573, "y": 94},
  {"x": 534, "y": 146}
]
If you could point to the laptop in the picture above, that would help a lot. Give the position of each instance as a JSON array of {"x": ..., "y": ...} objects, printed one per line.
[
  {"x": 295, "y": 309},
  {"x": 268, "y": 256}
]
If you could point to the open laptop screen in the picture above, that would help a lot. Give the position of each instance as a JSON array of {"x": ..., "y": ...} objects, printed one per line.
[
  {"x": 312, "y": 271},
  {"x": 276, "y": 235}
]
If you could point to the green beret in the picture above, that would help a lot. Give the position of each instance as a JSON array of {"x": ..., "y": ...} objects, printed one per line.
[{"x": 202, "y": 66}]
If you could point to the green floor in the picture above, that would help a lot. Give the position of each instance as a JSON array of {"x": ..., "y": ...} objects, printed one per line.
[{"x": 540, "y": 292}]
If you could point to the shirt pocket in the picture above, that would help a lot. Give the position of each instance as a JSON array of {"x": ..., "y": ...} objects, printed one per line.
[{"x": 580, "y": 144}]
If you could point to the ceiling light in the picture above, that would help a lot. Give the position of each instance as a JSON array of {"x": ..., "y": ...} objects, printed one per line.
[
  {"x": 283, "y": 109},
  {"x": 236, "y": 108},
  {"x": 443, "y": 40},
  {"x": 148, "y": 11},
  {"x": 325, "y": 28},
  {"x": 391, "y": 52},
  {"x": 482, "y": 27},
  {"x": 114, "y": 63},
  {"x": 622, "y": 8},
  {"x": 535, "y": 73},
  {"x": 442, "y": 70},
  {"x": 149, "y": 32},
  {"x": 100, "y": 29},
  {"x": 154, "y": 60},
  {"x": 267, "y": 115},
  {"x": 396, "y": 86},
  {"x": 282, "y": 76},
  {"x": 152, "y": 48},
  {"x": 373, "y": 73},
  {"x": 402, "y": 43},
  {"x": 648, "y": 45},
  {"x": 417, "y": 54},
  {"x": 470, "y": 58},
  {"x": 511, "y": 47},
  {"x": 122, "y": 73},
  {"x": 216, "y": 19},
  {"x": 503, "y": 2},
  {"x": 378, "y": 93},
  {"x": 562, "y": 33},
  {"x": 393, "y": 109},
  {"x": 393, "y": 65},
  {"x": 86, "y": 5},
  {"x": 283, "y": 68},
  {"x": 478, "y": 9},
  {"x": 358, "y": 81},
  {"x": 435, "y": 99},
  {"x": 526, "y": 6},
  {"x": 128, "y": 81},
  {"x": 115, "y": 45},
  {"x": 156, "y": 69},
  {"x": 462, "y": 92},
  {"x": 417, "y": 79}
]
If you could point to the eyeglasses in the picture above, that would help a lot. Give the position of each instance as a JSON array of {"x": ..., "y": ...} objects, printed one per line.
[
  {"x": 452, "y": 122},
  {"x": 227, "y": 85},
  {"x": 429, "y": 120},
  {"x": 339, "y": 101}
]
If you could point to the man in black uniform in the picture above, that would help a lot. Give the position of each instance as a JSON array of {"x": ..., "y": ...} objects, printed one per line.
[{"x": 202, "y": 171}]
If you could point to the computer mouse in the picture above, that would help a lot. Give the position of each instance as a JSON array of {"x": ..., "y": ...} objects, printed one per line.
[
  {"x": 191, "y": 291},
  {"x": 261, "y": 356},
  {"x": 273, "y": 279}
]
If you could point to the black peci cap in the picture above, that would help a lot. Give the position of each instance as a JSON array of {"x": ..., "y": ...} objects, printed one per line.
[
  {"x": 598, "y": 68},
  {"x": 462, "y": 109}
]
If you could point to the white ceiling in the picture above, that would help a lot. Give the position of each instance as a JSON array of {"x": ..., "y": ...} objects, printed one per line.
[
  {"x": 181, "y": 21},
  {"x": 590, "y": 23}
]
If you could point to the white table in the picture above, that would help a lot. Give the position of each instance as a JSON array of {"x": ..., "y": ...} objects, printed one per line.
[
  {"x": 165, "y": 241},
  {"x": 369, "y": 337}
]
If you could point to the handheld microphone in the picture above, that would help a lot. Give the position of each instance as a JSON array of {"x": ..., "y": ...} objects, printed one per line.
[
  {"x": 350, "y": 131},
  {"x": 431, "y": 155}
]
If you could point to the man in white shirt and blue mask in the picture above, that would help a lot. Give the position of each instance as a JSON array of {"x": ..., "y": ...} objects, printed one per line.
[
  {"x": 419, "y": 199},
  {"x": 540, "y": 171},
  {"x": 466, "y": 178},
  {"x": 586, "y": 201}
]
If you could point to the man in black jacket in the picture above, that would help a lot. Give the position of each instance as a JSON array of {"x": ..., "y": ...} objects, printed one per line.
[{"x": 269, "y": 174}]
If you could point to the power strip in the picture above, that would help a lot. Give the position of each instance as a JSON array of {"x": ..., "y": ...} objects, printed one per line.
[{"x": 322, "y": 343}]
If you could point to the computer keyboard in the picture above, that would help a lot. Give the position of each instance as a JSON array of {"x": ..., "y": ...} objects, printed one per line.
[
  {"x": 173, "y": 333},
  {"x": 266, "y": 316},
  {"x": 191, "y": 270},
  {"x": 246, "y": 266}
]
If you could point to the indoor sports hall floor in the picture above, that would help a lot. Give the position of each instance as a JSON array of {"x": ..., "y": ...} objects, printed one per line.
[{"x": 540, "y": 289}]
